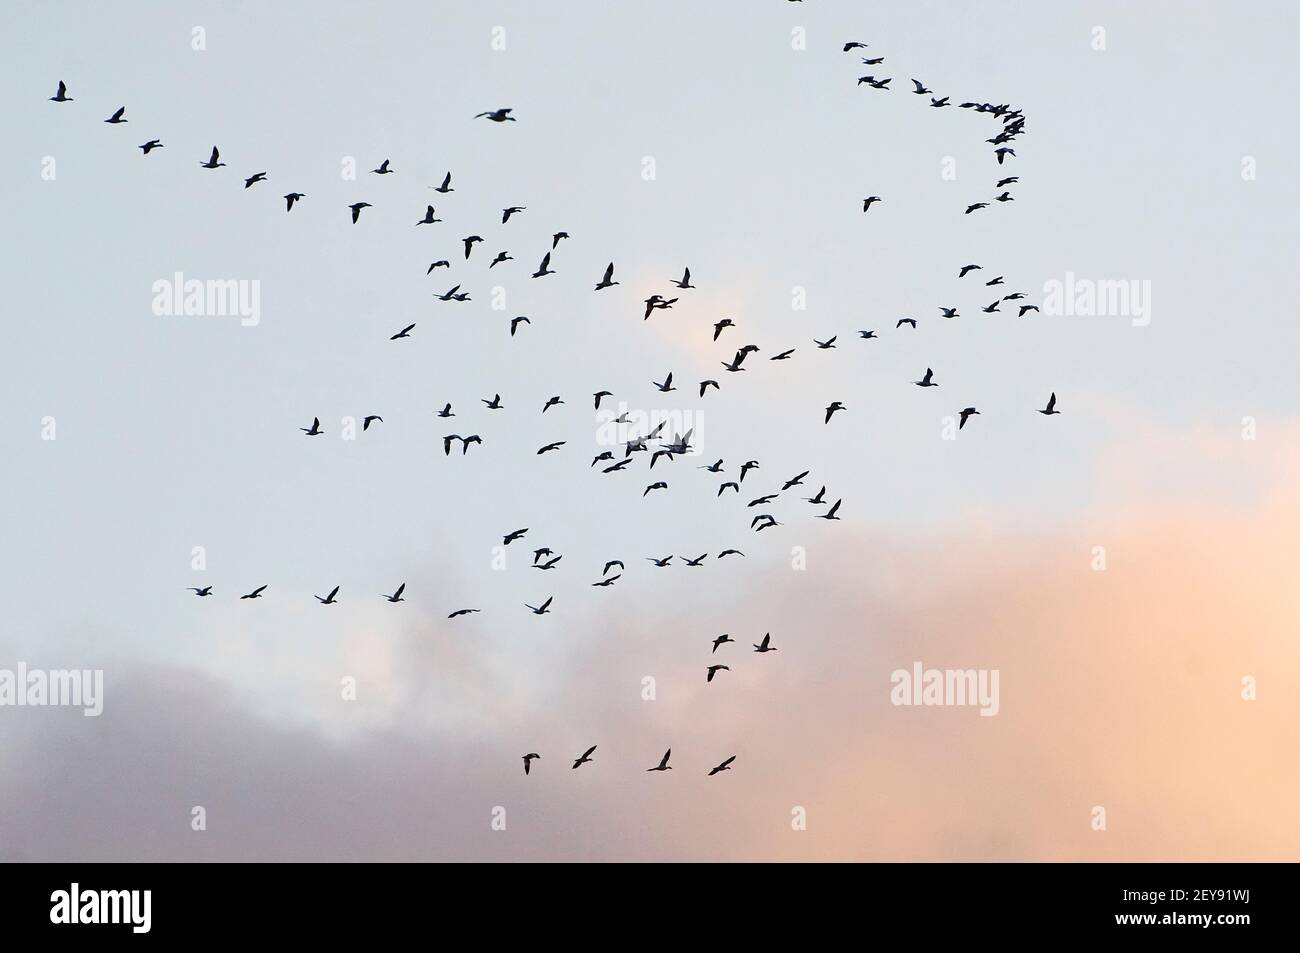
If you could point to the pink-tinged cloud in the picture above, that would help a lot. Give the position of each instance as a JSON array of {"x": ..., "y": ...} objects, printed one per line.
[{"x": 1120, "y": 689}]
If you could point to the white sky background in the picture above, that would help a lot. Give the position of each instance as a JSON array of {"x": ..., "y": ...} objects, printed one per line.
[{"x": 176, "y": 432}]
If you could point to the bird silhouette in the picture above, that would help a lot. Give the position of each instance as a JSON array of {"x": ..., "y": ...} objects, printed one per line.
[
  {"x": 213, "y": 162},
  {"x": 607, "y": 281},
  {"x": 725, "y": 766}
]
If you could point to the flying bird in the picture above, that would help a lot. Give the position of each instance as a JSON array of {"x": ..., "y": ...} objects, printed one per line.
[
  {"x": 151, "y": 145},
  {"x": 368, "y": 420},
  {"x": 766, "y": 644},
  {"x": 290, "y": 199},
  {"x": 356, "y": 210},
  {"x": 867, "y": 202},
  {"x": 542, "y": 609},
  {"x": 314, "y": 430},
  {"x": 61, "y": 96},
  {"x": 116, "y": 118},
  {"x": 685, "y": 281},
  {"x": 715, "y": 669},
  {"x": 927, "y": 380},
  {"x": 528, "y": 760},
  {"x": 512, "y": 210},
  {"x": 460, "y": 612},
  {"x": 1051, "y": 406},
  {"x": 607, "y": 281},
  {"x": 544, "y": 268},
  {"x": 428, "y": 217},
  {"x": 329, "y": 600},
  {"x": 725, "y": 766},
  {"x": 511, "y": 537},
  {"x": 723, "y": 639},
  {"x": 446, "y": 185},
  {"x": 497, "y": 115},
  {"x": 830, "y": 411},
  {"x": 382, "y": 170},
  {"x": 404, "y": 333},
  {"x": 255, "y": 594},
  {"x": 586, "y": 756},
  {"x": 966, "y": 415},
  {"x": 254, "y": 179},
  {"x": 205, "y": 591},
  {"x": 515, "y": 322},
  {"x": 830, "y": 514},
  {"x": 663, "y": 764},
  {"x": 212, "y": 162},
  {"x": 396, "y": 596}
]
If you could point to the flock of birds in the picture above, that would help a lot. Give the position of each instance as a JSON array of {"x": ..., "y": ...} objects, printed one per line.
[{"x": 671, "y": 446}]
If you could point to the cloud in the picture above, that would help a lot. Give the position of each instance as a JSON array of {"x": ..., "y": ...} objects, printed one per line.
[{"x": 1119, "y": 688}]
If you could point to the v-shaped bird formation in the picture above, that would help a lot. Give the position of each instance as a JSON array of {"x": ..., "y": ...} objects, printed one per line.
[{"x": 656, "y": 444}]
